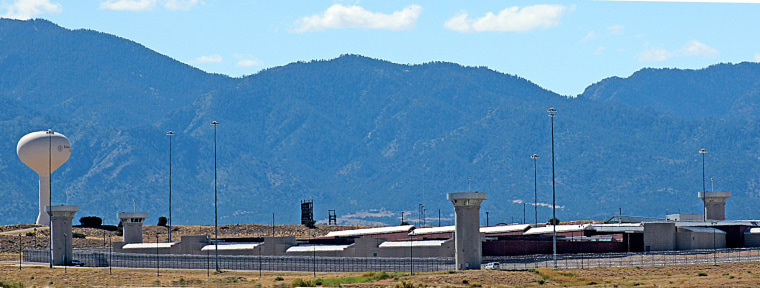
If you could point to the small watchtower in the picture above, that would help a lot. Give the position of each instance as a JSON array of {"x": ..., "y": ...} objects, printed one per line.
[{"x": 132, "y": 223}]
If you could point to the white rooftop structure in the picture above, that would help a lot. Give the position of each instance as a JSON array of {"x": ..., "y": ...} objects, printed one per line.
[
  {"x": 504, "y": 228},
  {"x": 370, "y": 231},
  {"x": 718, "y": 223},
  {"x": 560, "y": 229},
  {"x": 754, "y": 230},
  {"x": 422, "y": 243},
  {"x": 433, "y": 230},
  {"x": 704, "y": 230},
  {"x": 617, "y": 228},
  {"x": 148, "y": 245},
  {"x": 232, "y": 246},
  {"x": 317, "y": 248}
]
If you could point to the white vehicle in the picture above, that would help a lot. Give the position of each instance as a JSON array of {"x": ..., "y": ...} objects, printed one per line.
[{"x": 493, "y": 266}]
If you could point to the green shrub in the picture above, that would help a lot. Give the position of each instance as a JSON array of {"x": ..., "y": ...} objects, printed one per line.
[
  {"x": 404, "y": 284},
  {"x": 78, "y": 235},
  {"x": 303, "y": 283},
  {"x": 4, "y": 284},
  {"x": 91, "y": 221},
  {"x": 701, "y": 274},
  {"x": 162, "y": 221},
  {"x": 278, "y": 278}
]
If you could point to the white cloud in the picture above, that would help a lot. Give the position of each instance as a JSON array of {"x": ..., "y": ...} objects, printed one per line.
[
  {"x": 616, "y": 29},
  {"x": 209, "y": 59},
  {"x": 27, "y": 9},
  {"x": 247, "y": 61},
  {"x": 757, "y": 57},
  {"x": 181, "y": 4},
  {"x": 692, "y": 48},
  {"x": 339, "y": 17},
  {"x": 128, "y": 5},
  {"x": 511, "y": 19},
  {"x": 695, "y": 48},
  {"x": 590, "y": 36},
  {"x": 655, "y": 55}
]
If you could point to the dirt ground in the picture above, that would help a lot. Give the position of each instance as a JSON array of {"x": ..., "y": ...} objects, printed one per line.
[{"x": 724, "y": 275}]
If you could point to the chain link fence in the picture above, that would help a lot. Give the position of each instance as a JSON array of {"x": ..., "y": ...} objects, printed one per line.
[
  {"x": 102, "y": 257},
  {"x": 658, "y": 258}
]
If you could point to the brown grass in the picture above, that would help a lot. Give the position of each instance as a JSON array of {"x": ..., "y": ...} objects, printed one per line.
[{"x": 724, "y": 275}]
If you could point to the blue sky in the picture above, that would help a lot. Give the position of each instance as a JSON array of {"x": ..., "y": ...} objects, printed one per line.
[{"x": 562, "y": 46}]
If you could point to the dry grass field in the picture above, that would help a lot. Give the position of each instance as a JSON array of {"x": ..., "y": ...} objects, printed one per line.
[{"x": 724, "y": 275}]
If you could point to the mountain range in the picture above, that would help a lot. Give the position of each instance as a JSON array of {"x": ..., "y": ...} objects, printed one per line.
[{"x": 366, "y": 137}]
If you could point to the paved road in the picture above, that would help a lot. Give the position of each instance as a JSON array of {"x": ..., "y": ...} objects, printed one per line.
[{"x": 14, "y": 232}]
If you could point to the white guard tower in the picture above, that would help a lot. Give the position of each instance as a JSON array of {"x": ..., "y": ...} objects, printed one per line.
[
  {"x": 715, "y": 204},
  {"x": 467, "y": 239},
  {"x": 60, "y": 230},
  {"x": 132, "y": 224}
]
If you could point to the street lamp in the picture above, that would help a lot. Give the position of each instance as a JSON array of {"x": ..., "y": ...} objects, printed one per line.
[
  {"x": 552, "y": 111},
  {"x": 170, "y": 133},
  {"x": 65, "y": 252},
  {"x": 110, "y": 254},
  {"x": 158, "y": 264},
  {"x": 216, "y": 228},
  {"x": 411, "y": 250},
  {"x": 535, "y": 186},
  {"x": 715, "y": 260},
  {"x": 50, "y": 195},
  {"x": 704, "y": 203}
]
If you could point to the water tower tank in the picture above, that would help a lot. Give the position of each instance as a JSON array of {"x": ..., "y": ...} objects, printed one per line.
[{"x": 44, "y": 152}]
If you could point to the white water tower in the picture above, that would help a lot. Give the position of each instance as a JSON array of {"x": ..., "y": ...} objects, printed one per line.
[{"x": 44, "y": 152}]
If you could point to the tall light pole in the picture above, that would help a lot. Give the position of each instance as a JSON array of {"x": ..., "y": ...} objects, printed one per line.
[
  {"x": 170, "y": 133},
  {"x": 216, "y": 228},
  {"x": 535, "y": 186},
  {"x": 552, "y": 111},
  {"x": 704, "y": 203},
  {"x": 50, "y": 194}
]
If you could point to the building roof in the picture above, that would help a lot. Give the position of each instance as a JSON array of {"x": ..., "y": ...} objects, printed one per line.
[
  {"x": 486, "y": 230},
  {"x": 754, "y": 230},
  {"x": 617, "y": 228},
  {"x": 711, "y": 223},
  {"x": 422, "y": 243},
  {"x": 231, "y": 246},
  {"x": 148, "y": 245},
  {"x": 560, "y": 228},
  {"x": 317, "y": 248},
  {"x": 703, "y": 230},
  {"x": 504, "y": 228},
  {"x": 433, "y": 230},
  {"x": 631, "y": 219},
  {"x": 370, "y": 231}
]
